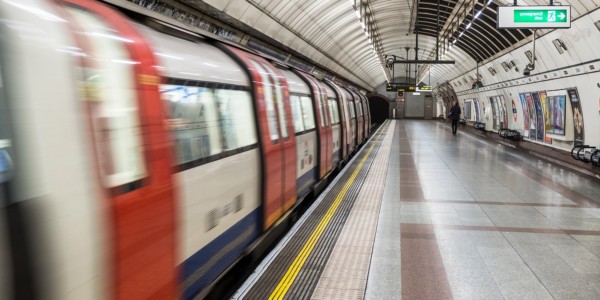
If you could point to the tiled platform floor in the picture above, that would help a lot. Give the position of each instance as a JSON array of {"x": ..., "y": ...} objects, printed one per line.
[{"x": 464, "y": 218}]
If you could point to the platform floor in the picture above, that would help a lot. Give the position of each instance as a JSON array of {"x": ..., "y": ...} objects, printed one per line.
[{"x": 440, "y": 216}]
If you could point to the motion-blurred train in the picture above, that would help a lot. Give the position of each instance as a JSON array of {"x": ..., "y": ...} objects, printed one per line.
[{"x": 139, "y": 160}]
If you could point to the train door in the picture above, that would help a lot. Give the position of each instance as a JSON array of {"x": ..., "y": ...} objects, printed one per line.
[
  {"x": 353, "y": 121},
  {"x": 278, "y": 142},
  {"x": 335, "y": 129},
  {"x": 350, "y": 117},
  {"x": 360, "y": 127},
  {"x": 367, "y": 113},
  {"x": 335, "y": 95},
  {"x": 6, "y": 169},
  {"x": 324, "y": 123},
  {"x": 133, "y": 151}
]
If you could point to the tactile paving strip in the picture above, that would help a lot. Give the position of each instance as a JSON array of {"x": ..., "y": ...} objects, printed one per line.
[
  {"x": 305, "y": 282},
  {"x": 346, "y": 272}
]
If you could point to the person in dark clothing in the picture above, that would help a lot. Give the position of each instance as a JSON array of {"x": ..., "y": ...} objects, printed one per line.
[{"x": 455, "y": 115}]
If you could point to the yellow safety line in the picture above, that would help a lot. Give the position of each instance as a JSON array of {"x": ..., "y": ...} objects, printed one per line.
[{"x": 290, "y": 275}]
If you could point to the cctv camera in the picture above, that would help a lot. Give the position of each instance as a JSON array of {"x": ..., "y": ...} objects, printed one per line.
[{"x": 528, "y": 69}]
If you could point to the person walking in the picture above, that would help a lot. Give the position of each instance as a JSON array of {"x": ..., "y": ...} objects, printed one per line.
[{"x": 455, "y": 115}]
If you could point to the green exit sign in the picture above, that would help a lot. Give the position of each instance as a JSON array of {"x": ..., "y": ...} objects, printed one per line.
[
  {"x": 533, "y": 17},
  {"x": 540, "y": 16}
]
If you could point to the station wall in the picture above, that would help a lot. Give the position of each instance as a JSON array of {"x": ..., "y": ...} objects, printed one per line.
[{"x": 576, "y": 68}]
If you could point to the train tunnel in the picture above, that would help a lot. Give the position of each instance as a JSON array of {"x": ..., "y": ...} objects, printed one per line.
[{"x": 380, "y": 107}]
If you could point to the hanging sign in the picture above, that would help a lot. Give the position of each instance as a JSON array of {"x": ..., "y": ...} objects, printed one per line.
[{"x": 532, "y": 17}]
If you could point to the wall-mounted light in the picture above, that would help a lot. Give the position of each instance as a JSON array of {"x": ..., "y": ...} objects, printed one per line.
[
  {"x": 505, "y": 66},
  {"x": 529, "y": 56},
  {"x": 492, "y": 71},
  {"x": 560, "y": 46}
]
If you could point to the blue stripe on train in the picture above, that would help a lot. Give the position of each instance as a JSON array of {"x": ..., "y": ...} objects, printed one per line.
[
  {"x": 306, "y": 182},
  {"x": 203, "y": 267}
]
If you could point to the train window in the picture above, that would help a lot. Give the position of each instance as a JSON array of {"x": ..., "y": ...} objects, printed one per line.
[
  {"x": 352, "y": 112},
  {"x": 297, "y": 113},
  {"x": 307, "y": 113},
  {"x": 236, "y": 118},
  {"x": 269, "y": 104},
  {"x": 205, "y": 121},
  {"x": 193, "y": 121},
  {"x": 112, "y": 98}
]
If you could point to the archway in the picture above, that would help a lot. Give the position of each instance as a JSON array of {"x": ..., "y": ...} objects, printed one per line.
[{"x": 380, "y": 108}]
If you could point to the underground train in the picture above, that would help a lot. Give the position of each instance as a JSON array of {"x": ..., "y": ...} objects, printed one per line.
[{"x": 139, "y": 160}]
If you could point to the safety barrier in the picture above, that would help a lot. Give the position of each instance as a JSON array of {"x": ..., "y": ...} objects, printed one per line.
[
  {"x": 479, "y": 125},
  {"x": 586, "y": 154},
  {"x": 510, "y": 134}
]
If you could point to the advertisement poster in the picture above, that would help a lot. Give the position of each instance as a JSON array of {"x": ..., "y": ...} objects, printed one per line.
[
  {"x": 558, "y": 114},
  {"x": 504, "y": 111},
  {"x": 525, "y": 115},
  {"x": 468, "y": 110},
  {"x": 539, "y": 117},
  {"x": 546, "y": 111},
  {"x": 495, "y": 119},
  {"x": 476, "y": 104},
  {"x": 577, "y": 117},
  {"x": 532, "y": 118}
]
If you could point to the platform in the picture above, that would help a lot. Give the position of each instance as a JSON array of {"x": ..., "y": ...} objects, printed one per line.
[{"x": 422, "y": 214}]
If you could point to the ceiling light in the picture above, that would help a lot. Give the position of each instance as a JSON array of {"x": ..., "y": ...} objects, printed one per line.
[
  {"x": 469, "y": 25},
  {"x": 478, "y": 14}
]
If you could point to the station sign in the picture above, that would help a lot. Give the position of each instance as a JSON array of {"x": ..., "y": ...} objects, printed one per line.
[
  {"x": 399, "y": 87},
  {"x": 425, "y": 88},
  {"x": 534, "y": 17}
]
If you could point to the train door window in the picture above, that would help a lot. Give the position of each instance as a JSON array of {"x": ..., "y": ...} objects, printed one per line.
[
  {"x": 192, "y": 118},
  {"x": 335, "y": 116},
  {"x": 307, "y": 113},
  {"x": 324, "y": 109},
  {"x": 6, "y": 164},
  {"x": 279, "y": 101},
  {"x": 321, "y": 111},
  {"x": 236, "y": 118},
  {"x": 351, "y": 107},
  {"x": 359, "y": 106},
  {"x": 112, "y": 98},
  {"x": 269, "y": 104},
  {"x": 297, "y": 113}
]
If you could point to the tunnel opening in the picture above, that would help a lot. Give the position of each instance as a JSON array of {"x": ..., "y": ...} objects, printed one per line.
[{"x": 380, "y": 108}]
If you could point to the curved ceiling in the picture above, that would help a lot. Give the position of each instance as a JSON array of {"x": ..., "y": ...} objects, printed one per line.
[{"x": 352, "y": 37}]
